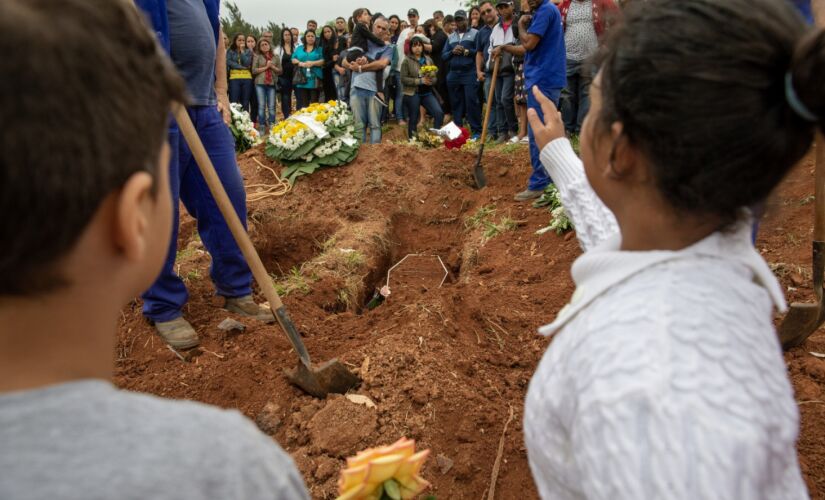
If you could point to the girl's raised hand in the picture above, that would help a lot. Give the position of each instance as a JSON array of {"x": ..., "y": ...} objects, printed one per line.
[{"x": 553, "y": 126}]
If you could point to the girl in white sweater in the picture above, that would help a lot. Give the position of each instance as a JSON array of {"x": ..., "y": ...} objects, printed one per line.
[{"x": 665, "y": 379}]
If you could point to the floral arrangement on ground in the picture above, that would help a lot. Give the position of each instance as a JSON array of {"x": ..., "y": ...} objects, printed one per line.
[
  {"x": 243, "y": 130},
  {"x": 317, "y": 136},
  {"x": 559, "y": 220}
]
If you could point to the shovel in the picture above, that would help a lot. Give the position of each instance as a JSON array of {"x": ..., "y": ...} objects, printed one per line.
[
  {"x": 478, "y": 171},
  {"x": 804, "y": 319},
  {"x": 319, "y": 381}
]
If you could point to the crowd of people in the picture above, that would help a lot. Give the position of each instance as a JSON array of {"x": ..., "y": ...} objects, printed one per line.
[
  {"x": 533, "y": 43},
  {"x": 665, "y": 378}
]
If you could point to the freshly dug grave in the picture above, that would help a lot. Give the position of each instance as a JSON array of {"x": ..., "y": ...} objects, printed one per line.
[{"x": 443, "y": 365}]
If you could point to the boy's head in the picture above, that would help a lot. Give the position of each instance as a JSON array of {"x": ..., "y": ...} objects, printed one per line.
[{"x": 85, "y": 110}]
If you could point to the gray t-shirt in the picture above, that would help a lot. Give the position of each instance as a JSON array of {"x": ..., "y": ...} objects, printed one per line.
[
  {"x": 366, "y": 80},
  {"x": 192, "y": 48},
  {"x": 88, "y": 440}
]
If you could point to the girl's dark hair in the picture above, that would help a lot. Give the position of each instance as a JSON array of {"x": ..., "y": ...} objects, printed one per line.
[
  {"x": 255, "y": 50},
  {"x": 470, "y": 16},
  {"x": 397, "y": 30},
  {"x": 354, "y": 19},
  {"x": 304, "y": 38},
  {"x": 291, "y": 39},
  {"x": 235, "y": 41},
  {"x": 330, "y": 45},
  {"x": 699, "y": 87}
]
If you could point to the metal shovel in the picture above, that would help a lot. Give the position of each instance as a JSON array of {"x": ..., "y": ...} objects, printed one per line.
[
  {"x": 478, "y": 171},
  {"x": 318, "y": 381},
  {"x": 803, "y": 320}
]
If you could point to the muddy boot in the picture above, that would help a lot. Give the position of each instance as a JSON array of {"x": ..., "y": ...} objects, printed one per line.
[
  {"x": 247, "y": 307},
  {"x": 528, "y": 194},
  {"x": 178, "y": 333}
]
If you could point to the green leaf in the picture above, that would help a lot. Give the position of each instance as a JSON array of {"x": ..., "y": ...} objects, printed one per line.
[{"x": 392, "y": 489}]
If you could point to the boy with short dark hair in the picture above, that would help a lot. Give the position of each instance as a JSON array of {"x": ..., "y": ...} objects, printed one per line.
[{"x": 85, "y": 198}]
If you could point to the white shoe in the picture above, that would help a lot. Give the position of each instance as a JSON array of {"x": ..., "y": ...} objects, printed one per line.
[
  {"x": 525, "y": 140},
  {"x": 513, "y": 140}
]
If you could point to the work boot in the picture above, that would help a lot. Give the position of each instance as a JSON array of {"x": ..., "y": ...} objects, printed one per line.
[
  {"x": 178, "y": 333},
  {"x": 247, "y": 307},
  {"x": 528, "y": 194}
]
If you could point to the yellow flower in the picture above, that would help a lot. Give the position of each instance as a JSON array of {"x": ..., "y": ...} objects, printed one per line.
[
  {"x": 370, "y": 469},
  {"x": 333, "y": 103},
  {"x": 321, "y": 117}
]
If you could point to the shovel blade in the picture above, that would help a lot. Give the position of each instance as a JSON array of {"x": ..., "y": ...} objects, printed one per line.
[
  {"x": 478, "y": 175},
  {"x": 330, "y": 377},
  {"x": 801, "y": 321}
]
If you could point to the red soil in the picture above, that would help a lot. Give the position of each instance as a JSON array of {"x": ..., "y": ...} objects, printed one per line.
[{"x": 442, "y": 364}]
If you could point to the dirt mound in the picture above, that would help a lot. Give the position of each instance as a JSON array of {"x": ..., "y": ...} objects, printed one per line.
[{"x": 443, "y": 363}]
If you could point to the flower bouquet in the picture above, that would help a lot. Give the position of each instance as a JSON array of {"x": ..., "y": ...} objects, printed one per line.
[
  {"x": 243, "y": 130},
  {"x": 428, "y": 140},
  {"x": 428, "y": 71},
  {"x": 320, "y": 135},
  {"x": 559, "y": 220},
  {"x": 459, "y": 141}
]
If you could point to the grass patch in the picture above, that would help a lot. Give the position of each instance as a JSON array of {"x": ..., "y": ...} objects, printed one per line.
[
  {"x": 480, "y": 217},
  {"x": 574, "y": 141},
  {"x": 294, "y": 281},
  {"x": 505, "y": 224}
]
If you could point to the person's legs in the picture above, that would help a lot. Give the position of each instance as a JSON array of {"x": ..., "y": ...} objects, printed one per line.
[
  {"x": 457, "y": 100},
  {"x": 430, "y": 103},
  {"x": 314, "y": 96},
  {"x": 299, "y": 98},
  {"x": 539, "y": 179},
  {"x": 286, "y": 97},
  {"x": 358, "y": 104},
  {"x": 253, "y": 104},
  {"x": 570, "y": 97},
  {"x": 234, "y": 91},
  {"x": 246, "y": 93},
  {"x": 399, "y": 98},
  {"x": 270, "y": 107},
  {"x": 493, "y": 125},
  {"x": 229, "y": 270},
  {"x": 165, "y": 299},
  {"x": 411, "y": 111},
  {"x": 585, "y": 78},
  {"x": 473, "y": 107},
  {"x": 260, "y": 91},
  {"x": 506, "y": 108},
  {"x": 374, "y": 109}
]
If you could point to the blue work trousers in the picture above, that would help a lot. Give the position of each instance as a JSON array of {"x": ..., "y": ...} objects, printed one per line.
[
  {"x": 464, "y": 103},
  {"x": 539, "y": 179},
  {"x": 365, "y": 111},
  {"x": 165, "y": 299},
  {"x": 505, "y": 106}
]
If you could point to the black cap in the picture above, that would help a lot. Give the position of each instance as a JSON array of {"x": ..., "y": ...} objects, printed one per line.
[
  {"x": 504, "y": 2},
  {"x": 412, "y": 12},
  {"x": 460, "y": 14}
]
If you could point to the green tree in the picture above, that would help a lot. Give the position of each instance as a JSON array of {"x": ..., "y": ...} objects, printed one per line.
[{"x": 234, "y": 23}]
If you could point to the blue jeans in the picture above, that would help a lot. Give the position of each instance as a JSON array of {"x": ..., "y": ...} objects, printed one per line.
[
  {"x": 365, "y": 111},
  {"x": 285, "y": 89},
  {"x": 412, "y": 106},
  {"x": 240, "y": 91},
  {"x": 575, "y": 102},
  {"x": 229, "y": 271},
  {"x": 266, "y": 105},
  {"x": 398, "y": 99},
  {"x": 464, "y": 102},
  {"x": 505, "y": 107},
  {"x": 493, "y": 126},
  {"x": 539, "y": 179}
]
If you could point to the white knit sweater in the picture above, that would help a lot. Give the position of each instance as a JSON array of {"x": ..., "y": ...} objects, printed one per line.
[{"x": 666, "y": 378}]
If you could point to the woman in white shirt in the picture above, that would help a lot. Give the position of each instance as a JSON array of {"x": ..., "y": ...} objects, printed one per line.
[{"x": 665, "y": 379}]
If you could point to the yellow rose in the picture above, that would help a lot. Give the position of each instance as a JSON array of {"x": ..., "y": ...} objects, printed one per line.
[{"x": 377, "y": 469}]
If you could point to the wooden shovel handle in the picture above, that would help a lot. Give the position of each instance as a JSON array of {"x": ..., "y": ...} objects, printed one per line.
[
  {"x": 490, "y": 94},
  {"x": 819, "y": 190},
  {"x": 226, "y": 208}
]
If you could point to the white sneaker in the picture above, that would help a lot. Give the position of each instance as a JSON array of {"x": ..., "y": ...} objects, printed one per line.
[
  {"x": 525, "y": 140},
  {"x": 513, "y": 140}
]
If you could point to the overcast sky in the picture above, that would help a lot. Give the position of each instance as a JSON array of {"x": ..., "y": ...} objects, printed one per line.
[{"x": 297, "y": 12}]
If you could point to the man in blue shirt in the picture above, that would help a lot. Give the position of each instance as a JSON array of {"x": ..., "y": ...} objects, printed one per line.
[
  {"x": 365, "y": 108},
  {"x": 542, "y": 36},
  {"x": 459, "y": 55},
  {"x": 190, "y": 31}
]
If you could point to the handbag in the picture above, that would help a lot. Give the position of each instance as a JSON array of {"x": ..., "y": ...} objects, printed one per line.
[{"x": 298, "y": 76}]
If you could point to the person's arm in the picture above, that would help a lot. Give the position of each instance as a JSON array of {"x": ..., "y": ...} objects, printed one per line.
[
  {"x": 277, "y": 69},
  {"x": 232, "y": 59},
  {"x": 257, "y": 67},
  {"x": 407, "y": 77},
  {"x": 447, "y": 53},
  {"x": 376, "y": 65},
  {"x": 516, "y": 50},
  {"x": 221, "y": 80},
  {"x": 594, "y": 222},
  {"x": 530, "y": 40}
]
